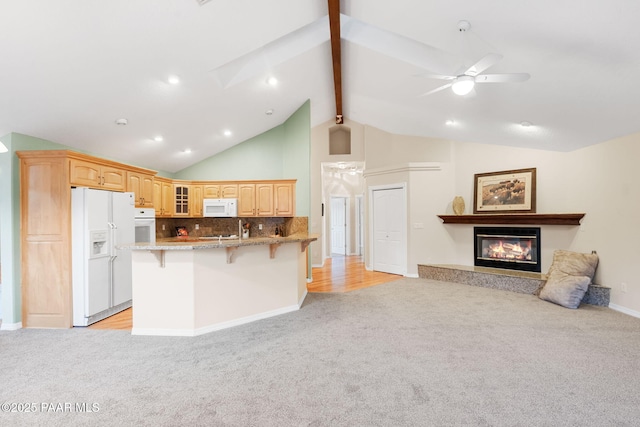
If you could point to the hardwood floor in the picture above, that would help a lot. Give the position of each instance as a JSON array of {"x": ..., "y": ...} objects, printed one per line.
[
  {"x": 344, "y": 274},
  {"x": 122, "y": 321},
  {"x": 339, "y": 274}
]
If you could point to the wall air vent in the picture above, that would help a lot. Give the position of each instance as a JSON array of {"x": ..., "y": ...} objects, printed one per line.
[{"x": 202, "y": 2}]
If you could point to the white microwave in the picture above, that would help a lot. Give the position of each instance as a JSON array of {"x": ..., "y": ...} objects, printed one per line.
[{"x": 220, "y": 207}]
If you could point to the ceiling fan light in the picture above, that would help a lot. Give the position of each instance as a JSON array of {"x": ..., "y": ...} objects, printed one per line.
[{"x": 462, "y": 85}]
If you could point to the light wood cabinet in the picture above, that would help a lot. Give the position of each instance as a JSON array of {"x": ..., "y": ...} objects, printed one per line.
[
  {"x": 211, "y": 191},
  {"x": 220, "y": 191},
  {"x": 181, "y": 199},
  {"x": 266, "y": 199},
  {"x": 195, "y": 199},
  {"x": 84, "y": 173},
  {"x": 163, "y": 197},
  {"x": 285, "y": 204},
  {"x": 142, "y": 186},
  {"x": 228, "y": 191},
  {"x": 246, "y": 200},
  {"x": 45, "y": 209}
]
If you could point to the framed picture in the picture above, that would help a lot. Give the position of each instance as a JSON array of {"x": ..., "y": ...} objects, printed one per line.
[
  {"x": 505, "y": 191},
  {"x": 182, "y": 232}
]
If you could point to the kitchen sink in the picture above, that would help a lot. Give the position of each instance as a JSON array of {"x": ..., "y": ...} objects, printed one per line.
[{"x": 220, "y": 237}]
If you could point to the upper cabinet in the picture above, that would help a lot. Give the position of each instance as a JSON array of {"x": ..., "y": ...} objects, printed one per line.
[
  {"x": 211, "y": 191},
  {"x": 266, "y": 198},
  {"x": 96, "y": 175},
  {"x": 228, "y": 191},
  {"x": 142, "y": 185},
  {"x": 220, "y": 190},
  {"x": 285, "y": 201},
  {"x": 163, "y": 197},
  {"x": 246, "y": 199},
  {"x": 195, "y": 200},
  {"x": 181, "y": 199}
]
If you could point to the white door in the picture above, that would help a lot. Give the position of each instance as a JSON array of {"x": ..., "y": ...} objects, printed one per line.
[
  {"x": 338, "y": 225},
  {"x": 97, "y": 288},
  {"x": 123, "y": 221},
  {"x": 388, "y": 230}
]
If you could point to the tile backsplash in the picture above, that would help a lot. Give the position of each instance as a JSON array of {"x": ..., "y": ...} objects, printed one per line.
[{"x": 223, "y": 226}]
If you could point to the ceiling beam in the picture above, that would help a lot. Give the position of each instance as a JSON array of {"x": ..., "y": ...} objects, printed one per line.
[{"x": 336, "y": 54}]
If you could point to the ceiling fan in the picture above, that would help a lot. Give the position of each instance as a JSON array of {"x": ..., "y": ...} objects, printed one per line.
[{"x": 462, "y": 84}]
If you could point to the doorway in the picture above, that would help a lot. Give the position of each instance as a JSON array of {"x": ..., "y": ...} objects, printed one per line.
[
  {"x": 388, "y": 219},
  {"x": 339, "y": 230}
]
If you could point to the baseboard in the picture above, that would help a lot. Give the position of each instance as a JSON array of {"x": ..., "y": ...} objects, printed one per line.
[
  {"x": 163, "y": 332},
  {"x": 301, "y": 300},
  {"x": 412, "y": 275},
  {"x": 624, "y": 310},
  {"x": 216, "y": 326},
  {"x": 10, "y": 326}
]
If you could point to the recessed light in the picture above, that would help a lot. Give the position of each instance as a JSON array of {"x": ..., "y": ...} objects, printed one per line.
[
  {"x": 187, "y": 150},
  {"x": 449, "y": 122},
  {"x": 525, "y": 124},
  {"x": 158, "y": 138},
  {"x": 272, "y": 81},
  {"x": 269, "y": 112},
  {"x": 174, "y": 80},
  {"x": 227, "y": 132},
  {"x": 122, "y": 122}
]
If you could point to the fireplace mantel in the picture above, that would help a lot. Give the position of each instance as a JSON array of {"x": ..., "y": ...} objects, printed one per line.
[{"x": 515, "y": 218}]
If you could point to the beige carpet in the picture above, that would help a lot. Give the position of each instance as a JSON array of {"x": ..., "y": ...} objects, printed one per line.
[{"x": 413, "y": 352}]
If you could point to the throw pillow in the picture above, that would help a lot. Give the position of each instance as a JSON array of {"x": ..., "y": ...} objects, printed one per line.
[{"x": 569, "y": 277}]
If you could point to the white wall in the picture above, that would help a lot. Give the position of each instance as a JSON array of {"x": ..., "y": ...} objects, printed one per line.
[
  {"x": 598, "y": 180},
  {"x": 320, "y": 154}
]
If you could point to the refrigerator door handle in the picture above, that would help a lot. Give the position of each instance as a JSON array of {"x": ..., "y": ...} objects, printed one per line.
[{"x": 112, "y": 240}]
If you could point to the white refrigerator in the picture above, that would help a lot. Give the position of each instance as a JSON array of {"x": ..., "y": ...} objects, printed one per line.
[{"x": 101, "y": 273}]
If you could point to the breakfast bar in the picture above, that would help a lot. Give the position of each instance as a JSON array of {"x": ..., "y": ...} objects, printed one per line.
[{"x": 188, "y": 287}]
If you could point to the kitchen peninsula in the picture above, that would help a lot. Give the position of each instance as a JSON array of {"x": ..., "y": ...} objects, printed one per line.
[{"x": 188, "y": 287}]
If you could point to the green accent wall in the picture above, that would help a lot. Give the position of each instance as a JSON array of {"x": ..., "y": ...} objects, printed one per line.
[
  {"x": 296, "y": 156},
  {"x": 257, "y": 158},
  {"x": 280, "y": 153}
]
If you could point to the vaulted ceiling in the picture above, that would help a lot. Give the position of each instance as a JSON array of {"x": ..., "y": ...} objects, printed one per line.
[{"x": 70, "y": 68}]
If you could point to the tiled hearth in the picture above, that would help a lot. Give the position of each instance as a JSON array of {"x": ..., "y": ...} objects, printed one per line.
[{"x": 508, "y": 280}]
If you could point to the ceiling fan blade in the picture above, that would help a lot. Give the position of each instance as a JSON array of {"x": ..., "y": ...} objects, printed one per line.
[
  {"x": 436, "y": 76},
  {"x": 484, "y": 63},
  {"x": 438, "y": 89},
  {"x": 503, "y": 78}
]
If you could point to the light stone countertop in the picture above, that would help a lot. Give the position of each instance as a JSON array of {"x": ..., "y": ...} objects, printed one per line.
[{"x": 193, "y": 243}]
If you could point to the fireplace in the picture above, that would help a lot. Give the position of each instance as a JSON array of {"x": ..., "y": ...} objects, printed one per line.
[{"x": 510, "y": 248}]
